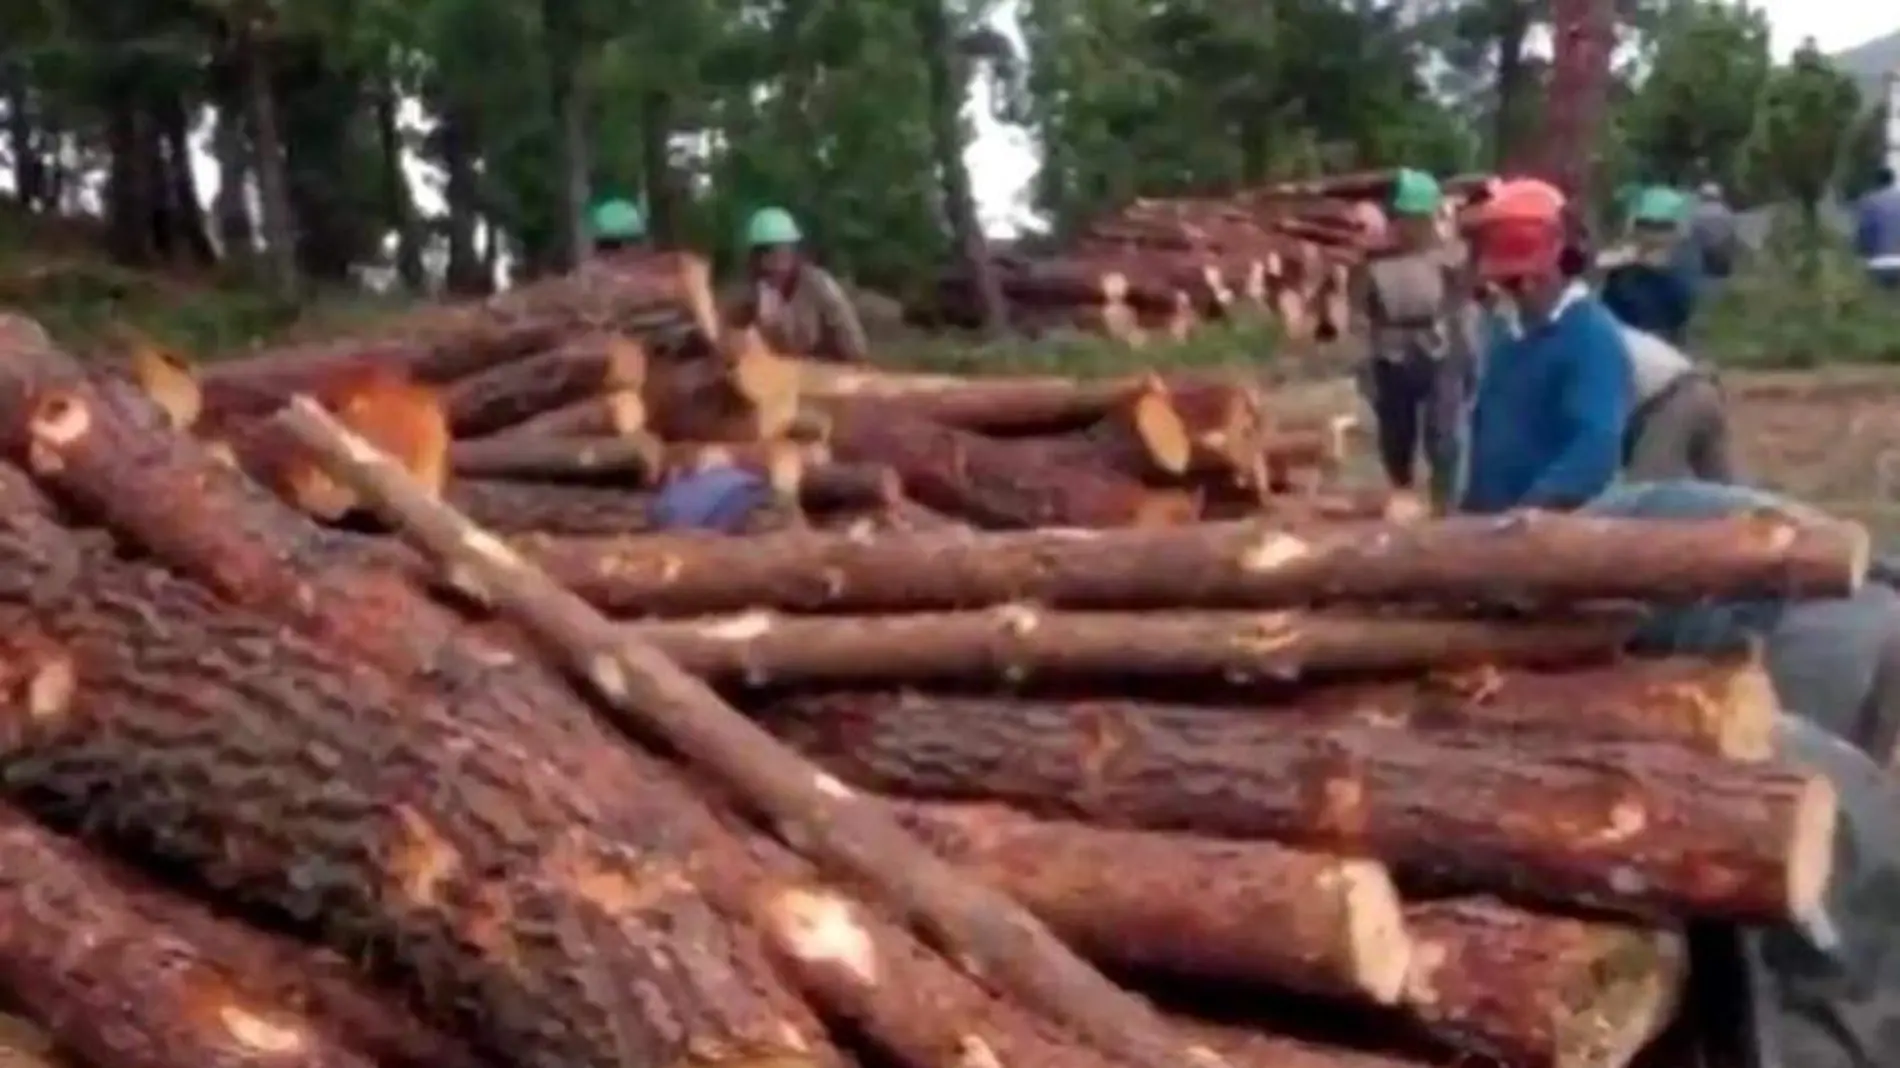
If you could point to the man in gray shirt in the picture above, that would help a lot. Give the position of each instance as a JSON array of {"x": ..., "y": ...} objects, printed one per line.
[{"x": 1713, "y": 233}]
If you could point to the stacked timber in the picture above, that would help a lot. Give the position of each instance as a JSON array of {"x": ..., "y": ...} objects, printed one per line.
[
  {"x": 1302, "y": 788},
  {"x": 1160, "y": 267}
]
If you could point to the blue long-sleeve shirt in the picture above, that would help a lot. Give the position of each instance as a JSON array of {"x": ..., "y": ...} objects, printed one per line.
[
  {"x": 1877, "y": 224},
  {"x": 1553, "y": 401}
]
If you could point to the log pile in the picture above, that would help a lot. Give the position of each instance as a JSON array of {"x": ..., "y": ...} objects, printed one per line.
[
  {"x": 1042, "y": 782},
  {"x": 1160, "y": 267}
]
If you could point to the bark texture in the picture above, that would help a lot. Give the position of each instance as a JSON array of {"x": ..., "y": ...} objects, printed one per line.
[{"x": 520, "y": 389}]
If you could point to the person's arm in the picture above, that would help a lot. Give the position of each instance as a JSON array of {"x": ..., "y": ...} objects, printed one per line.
[
  {"x": 1595, "y": 409},
  {"x": 842, "y": 326}
]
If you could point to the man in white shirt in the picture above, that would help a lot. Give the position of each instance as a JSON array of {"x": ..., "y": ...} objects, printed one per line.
[{"x": 1679, "y": 427}]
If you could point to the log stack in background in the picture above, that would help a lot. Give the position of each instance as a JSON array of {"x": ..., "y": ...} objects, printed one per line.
[
  {"x": 1160, "y": 267},
  {"x": 1315, "y": 784}
]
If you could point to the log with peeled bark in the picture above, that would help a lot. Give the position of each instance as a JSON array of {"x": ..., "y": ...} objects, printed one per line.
[
  {"x": 1185, "y": 905},
  {"x": 1539, "y": 991},
  {"x": 1012, "y": 644},
  {"x": 332, "y": 794},
  {"x": 997, "y": 483},
  {"x": 629, "y": 293},
  {"x": 534, "y": 508},
  {"x": 521, "y": 389},
  {"x": 1724, "y": 705},
  {"x": 850, "y": 836},
  {"x": 611, "y": 414},
  {"x": 1640, "y": 828},
  {"x": 743, "y": 391},
  {"x": 120, "y": 990},
  {"x": 628, "y": 460},
  {"x": 1543, "y": 559}
]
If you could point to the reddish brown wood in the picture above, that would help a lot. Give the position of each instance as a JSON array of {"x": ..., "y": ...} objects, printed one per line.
[
  {"x": 628, "y": 460},
  {"x": 612, "y": 414},
  {"x": 543, "y": 508},
  {"x": 521, "y": 389}
]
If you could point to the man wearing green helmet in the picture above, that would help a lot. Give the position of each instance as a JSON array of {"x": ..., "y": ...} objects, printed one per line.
[
  {"x": 1422, "y": 352},
  {"x": 616, "y": 224},
  {"x": 1649, "y": 283},
  {"x": 797, "y": 305}
]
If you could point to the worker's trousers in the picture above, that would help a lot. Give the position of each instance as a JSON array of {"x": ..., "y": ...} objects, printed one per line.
[
  {"x": 1681, "y": 432},
  {"x": 1418, "y": 402}
]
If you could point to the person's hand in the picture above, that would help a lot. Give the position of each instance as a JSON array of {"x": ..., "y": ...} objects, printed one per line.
[{"x": 1621, "y": 256}]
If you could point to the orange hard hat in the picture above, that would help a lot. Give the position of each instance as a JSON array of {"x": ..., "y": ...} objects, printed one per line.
[{"x": 1522, "y": 200}]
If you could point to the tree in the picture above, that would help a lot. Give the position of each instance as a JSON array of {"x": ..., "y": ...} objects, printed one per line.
[
  {"x": 1708, "y": 64},
  {"x": 1801, "y": 134}
]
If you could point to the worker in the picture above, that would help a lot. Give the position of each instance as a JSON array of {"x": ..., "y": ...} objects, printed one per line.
[
  {"x": 1649, "y": 282},
  {"x": 1679, "y": 425},
  {"x": 797, "y": 305},
  {"x": 1554, "y": 391},
  {"x": 1714, "y": 233},
  {"x": 1877, "y": 231},
  {"x": 616, "y": 224},
  {"x": 1421, "y": 359},
  {"x": 720, "y": 499}
]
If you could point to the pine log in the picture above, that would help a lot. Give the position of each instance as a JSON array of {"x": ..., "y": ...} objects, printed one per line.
[
  {"x": 992, "y": 482},
  {"x": 1725, "y": 706},
  {"x": 521, "y": 389},
  {"x": 25, "y": 1044},
  {"x": 334, "y": 796},
  {"x": 1015, "y": 643},
  {"x": 995, "y": 405},
  {"x": 1540, "y": 991},
  {"x": 854, "y": 837},
  {"x": 1644, "y": 829},
  {"x": 529, "y": 508},
  {"x": 1225, "y": 426},
  {"x": 1141, "y": 437},
  {"x": 614, "y": 414},
  {"x": 1546, "y": 559},
  {"x": 847, "y": 487},
  {"x": 117, "y": 989},
  {"x": 629, "y": 460},
  {"x": 167, "y": 378},
  {"x": 1249, "y": 1048},
  {"x": 1201, "y": 907},
  {"x": 744, "y": 391}
]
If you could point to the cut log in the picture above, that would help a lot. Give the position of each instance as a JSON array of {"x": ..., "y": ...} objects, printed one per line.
[
  {"x": 1548, "y": 559},
  {"x": 1540, "y": 991},
  {"x": 1248, "y": 911},
  {"x": 1015, "y": 643},
  {"x": 1725, "y": 706},
  {"x": 612, "y": 414},
  {"x": 742, "y": 392},
  {"x": 1225, "y": 426},
  {"x": 849, "y": 487},
  {"x": 115, "y": 988},
  {"x": 1141, "y": 437},
  {"x": 1000, "y": 941},
  {"x": 167, "y": 378},
  {"x": 529, "y": 508},
  {"x": 521, "y": 389},
  {"x": 1644, "y": 829},
  {"x": 998, "y": 405},
  {"x": 998, "y": 483},
  {"x": 336, "y": 797},
  {"x": 25, "y": 1044},
  {"x": 628, "y": 460},
  {"x": 1250, "y": 1048}
]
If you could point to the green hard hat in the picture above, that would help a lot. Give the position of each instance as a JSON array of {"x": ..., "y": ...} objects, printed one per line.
[
  {"x": 618, "y": 220},
  {"x": 772, "y": 226},
  {"x": 1415, "y": 193},
  {"x": 1658, "y": 205}
]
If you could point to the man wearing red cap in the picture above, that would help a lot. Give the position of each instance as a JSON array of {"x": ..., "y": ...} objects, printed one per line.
[{"x": 1555, "y": 393}]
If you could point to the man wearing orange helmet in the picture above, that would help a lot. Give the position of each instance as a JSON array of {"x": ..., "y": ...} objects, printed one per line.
[{"x": 1554, "y": 393}]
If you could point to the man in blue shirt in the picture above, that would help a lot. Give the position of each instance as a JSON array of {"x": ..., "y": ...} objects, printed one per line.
[
  {"x": 1877, "y": 230},
  {"x": 1555, "y": 392}
]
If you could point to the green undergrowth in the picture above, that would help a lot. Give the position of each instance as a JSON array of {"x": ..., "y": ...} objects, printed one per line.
[{"x": 1793, "y": 310}]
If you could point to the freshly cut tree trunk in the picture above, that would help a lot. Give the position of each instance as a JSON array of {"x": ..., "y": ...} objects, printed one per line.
[
  {"x": 1248, "y": 911},
  {"x": 742, "y": 392},
  {"x": 1000, "y": 405},
  {"x": 985, "y": 931},
  {"x": 847, "y": 487},
  {"x": 614, "y": 414},
  {"x": 541, "y": 508},
  {"x": 1549, "y": 559},
  {"x": 1645, "y": 829},
  {"x": 998, "y": 483},
  {"x": 551, "y": 938},
  {"x": 1540, "y": 991},
  {"x": 167, "y": 378},
  {"x": 1141, "y": 437},
  {"x": 121, "y": 991},
  {"x": 1015, "y": 643},
  {"x": 1247, "y": 1048},
  {"x": 1725, "y": 706},
  {"x": 1225, "y": 424},
  {"x": 628, "y": 460},
  {"x": 521, "y": 389}
]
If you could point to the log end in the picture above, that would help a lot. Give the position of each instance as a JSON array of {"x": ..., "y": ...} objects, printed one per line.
[
  {"x": 169, "y": 382},
  {"x": 1160, "y": 429},
  {"x": 1638, "y": 982},
  {"x": 407, "y": 421},
  {"x": 1810, "y": 868},
  {"x": 626, "y": 411},
  {"x": 1167, "y": 508},
  {"x": 1744, "y": 710},
  {"x": 626, "y": 363},
  {"x": 810, "y": 427},
  {"x": 766, "y": 379},
  {"x": 1379, "y": 950}
]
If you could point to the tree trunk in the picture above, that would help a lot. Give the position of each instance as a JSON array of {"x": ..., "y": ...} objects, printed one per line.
[
  {"x": 634, "y": 460},
  {"x": 614, "y": 414},
  {"x": 399, "y": 206},
  {"x": 190, "y": 230},
  {"x": 540, "y": 509},
  {"x": 231, "y": 208},
  {"x": 519, "y": 389},
  {"x": 1545, "y": 560},
  {"x": 664, "y": 224},
  {"x": 29, "y": 169},
  {"x": 465, "y": 275},
  {"x": 129, "y": 207},
  {"x": 1643, "y": 829},
  {"x": 948, "y": 77},
  {"x": 1514, "y": 87},
  {"x": 1242, "y": 911},
  {"x": 273, "y": 181},
  {"x": 567, "y": 112}
]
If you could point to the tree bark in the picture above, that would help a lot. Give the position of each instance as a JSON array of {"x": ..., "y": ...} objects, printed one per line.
[
  {"x": 1644, "y": 829},
  {"x": 267, "y": 150},
  {"x": 1243, "y": 911},
  {"x": 121, "y": 989},
  {"x": 520, "y": 389},
  {"x": 1015, "y": 643},
  {"x": 1540, "y": 991},
  {"x": 1250, "y": 1048},
  {"x": 634, "y": 460},
  {"x": 1545, "y": 559},
  {"x": 1003, "y": 943},
  {"x": 947, "y": 74},
  {"x": 619, "y": 413},
  {"x": 543, "y": 510}
]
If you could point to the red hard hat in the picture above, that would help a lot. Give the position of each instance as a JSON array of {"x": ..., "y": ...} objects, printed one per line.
[{"x": 1522, "y": 200}]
